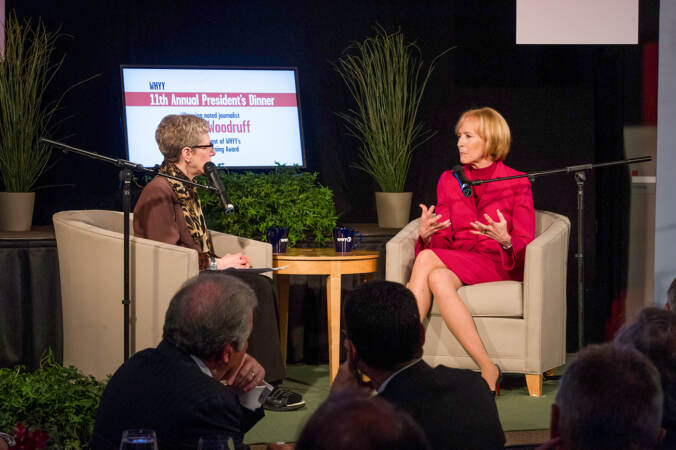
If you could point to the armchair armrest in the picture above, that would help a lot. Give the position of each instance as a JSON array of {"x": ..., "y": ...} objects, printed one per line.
[
  {"x": 400, "y": 253},
  {"x": 259, "y": 253},
  {"x": 544, "y": 291}
]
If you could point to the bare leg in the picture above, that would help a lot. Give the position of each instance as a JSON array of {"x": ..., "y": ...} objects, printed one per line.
[
  {"x": 444, "y": 285},
  {"x": 425, "y": 263}
]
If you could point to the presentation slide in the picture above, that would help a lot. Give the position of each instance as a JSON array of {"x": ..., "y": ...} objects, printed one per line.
[{"x": 253, "y": 114}]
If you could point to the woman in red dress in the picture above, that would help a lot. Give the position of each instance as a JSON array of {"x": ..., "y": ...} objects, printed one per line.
[{"x": 473, "y": 239}]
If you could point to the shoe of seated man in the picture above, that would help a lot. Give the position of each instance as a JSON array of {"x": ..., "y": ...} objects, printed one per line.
[{"x": 282, "y": 399}]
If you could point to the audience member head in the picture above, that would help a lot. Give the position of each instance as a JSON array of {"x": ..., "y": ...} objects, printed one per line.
[
  {"x": 383, "y": 323},
  {"x": 671, "y": 296},
  {"x": 492, "y": 128},
  {"x": 609, "y": 398},
  {"x": 210, "y": 311},
  {"x": 177, "y": 131},
  {"x": 346, "y": 422},
  {"x": 653, "y": 333}
]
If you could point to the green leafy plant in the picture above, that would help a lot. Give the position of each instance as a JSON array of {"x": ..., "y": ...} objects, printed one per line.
[
  {"x": 386, "y": 76},
  {"x": 284, "y": 197},
  {"x": 56, "y": 399},
  {"x": 26, "y": 70}
]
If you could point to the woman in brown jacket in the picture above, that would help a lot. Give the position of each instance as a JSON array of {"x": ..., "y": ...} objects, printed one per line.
[{"x": 170, "y": 211}]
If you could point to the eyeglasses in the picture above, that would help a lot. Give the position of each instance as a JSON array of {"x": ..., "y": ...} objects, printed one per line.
[{"x": 211, "y": 146}]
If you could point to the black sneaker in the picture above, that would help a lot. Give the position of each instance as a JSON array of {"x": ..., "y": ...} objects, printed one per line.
[{"x": 282, "y": 399}]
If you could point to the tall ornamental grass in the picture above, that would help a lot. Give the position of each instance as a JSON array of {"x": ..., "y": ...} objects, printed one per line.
[
  {"x": 386, "y": 76},
  {"x": 26, "y": 70}
]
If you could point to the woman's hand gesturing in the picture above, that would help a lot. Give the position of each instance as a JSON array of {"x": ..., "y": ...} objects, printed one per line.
[
  {"x": 429, "y": 223},
  {"x": 494, "y": 230}
]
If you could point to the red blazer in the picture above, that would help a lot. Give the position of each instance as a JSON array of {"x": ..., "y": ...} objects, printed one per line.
[{"x": 476, "y": 258}]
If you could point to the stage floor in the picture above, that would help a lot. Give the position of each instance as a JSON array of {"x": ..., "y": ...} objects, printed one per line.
[{"x": 523, "y": 418}]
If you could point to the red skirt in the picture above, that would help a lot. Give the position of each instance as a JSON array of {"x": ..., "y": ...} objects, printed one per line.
[{"x": 473, "y": 267}]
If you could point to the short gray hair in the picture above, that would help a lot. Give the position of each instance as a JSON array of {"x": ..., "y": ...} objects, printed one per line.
[
  {"x": 610, "y": 397},
  {"x": 210, "y": 311},
  {"x": 177, "y": 131}
]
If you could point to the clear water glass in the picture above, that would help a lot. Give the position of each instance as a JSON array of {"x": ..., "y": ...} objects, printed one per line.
[{"x": 138, "y": 440}]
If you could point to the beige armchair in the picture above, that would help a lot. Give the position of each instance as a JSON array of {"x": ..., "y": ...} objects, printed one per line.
[
  {"x": 90, "y": 248},
  {"x": 522, "y": 325}
]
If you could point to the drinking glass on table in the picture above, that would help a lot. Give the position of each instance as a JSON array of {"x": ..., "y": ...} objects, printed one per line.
[
  {"x": 138, "y": 439},
  {"x": 215, "y": 443}
]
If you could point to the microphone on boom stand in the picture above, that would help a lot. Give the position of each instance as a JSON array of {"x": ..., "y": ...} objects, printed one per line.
[{"x": 212, "y": 173}]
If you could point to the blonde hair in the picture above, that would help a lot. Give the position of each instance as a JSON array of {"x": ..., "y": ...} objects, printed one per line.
[
  {"x": 493, "y": 129},
  {"x": 178, "y": 131}
]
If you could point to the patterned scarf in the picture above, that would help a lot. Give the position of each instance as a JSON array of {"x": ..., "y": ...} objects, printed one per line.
[{"x": 191, "y": 206}]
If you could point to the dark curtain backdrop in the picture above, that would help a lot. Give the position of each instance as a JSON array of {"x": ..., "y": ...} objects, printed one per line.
[
  {"x": 565, "y": 104},
  {"x": 613, "y": 187}
]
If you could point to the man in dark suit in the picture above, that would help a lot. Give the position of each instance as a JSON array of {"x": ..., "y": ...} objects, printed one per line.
[
  {"x": 176, "y": 389},
  {"x": 384, "y": 342}
]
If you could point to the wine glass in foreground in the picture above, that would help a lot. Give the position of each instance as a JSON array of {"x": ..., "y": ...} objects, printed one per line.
[
  {"x": 215, "y": 443},
  {"x": 138, "y": 440}
]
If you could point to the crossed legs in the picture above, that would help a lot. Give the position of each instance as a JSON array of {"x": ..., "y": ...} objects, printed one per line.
[{"x": 430, "y": 277}]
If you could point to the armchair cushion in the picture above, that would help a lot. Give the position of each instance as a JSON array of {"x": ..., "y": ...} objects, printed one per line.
[{"x": 496, "y": 299}]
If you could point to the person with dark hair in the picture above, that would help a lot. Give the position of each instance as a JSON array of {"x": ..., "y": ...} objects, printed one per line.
[
  {"x": 609, "y": 398},
  {"x": 384, "y": 339},
  {"x": 177, "y": 388},
  {"x": 346, "y": 421},
  {"x": 653, "y": 333},
  {"x": 170, "y": 211}
]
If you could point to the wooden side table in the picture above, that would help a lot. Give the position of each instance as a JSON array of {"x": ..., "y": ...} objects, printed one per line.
[{"x": 321, "y": 261}]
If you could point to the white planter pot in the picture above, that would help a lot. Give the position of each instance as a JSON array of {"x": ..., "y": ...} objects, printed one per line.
[
  {"x": 16, "y": 210},
  {"x": 394, "y": 209}
]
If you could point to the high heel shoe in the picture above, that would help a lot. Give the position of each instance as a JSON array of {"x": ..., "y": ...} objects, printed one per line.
[{"x": 497, "y": 383}]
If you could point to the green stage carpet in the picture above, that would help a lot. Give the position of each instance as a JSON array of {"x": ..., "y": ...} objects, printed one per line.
[{"x": 517, "y": 410}]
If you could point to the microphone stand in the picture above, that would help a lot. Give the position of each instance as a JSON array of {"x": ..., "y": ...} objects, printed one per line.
[
  {"x": 126, "y": 175},
  {"x": 580, "y": 178}
]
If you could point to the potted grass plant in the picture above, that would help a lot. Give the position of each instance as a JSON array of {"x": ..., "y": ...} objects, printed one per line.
[
  {"x": 27, "y": 68},
  {"x": 386, "y": 77}
]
